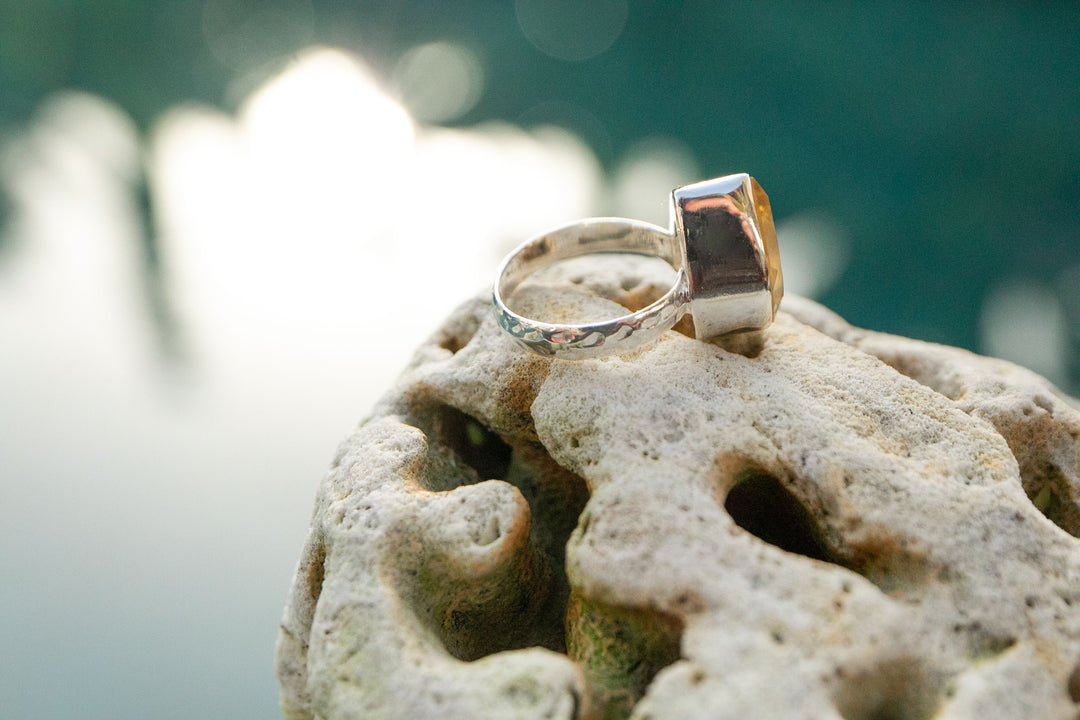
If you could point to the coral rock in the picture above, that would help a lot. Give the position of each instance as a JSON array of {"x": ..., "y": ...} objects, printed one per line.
[{"x": 830, "y": 523}]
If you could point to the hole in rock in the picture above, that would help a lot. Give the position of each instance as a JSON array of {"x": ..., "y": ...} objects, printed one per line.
[
  {"x": 457, "y": 332},
  {"x": 453, "y": 343},
  {"x": 982, "y": 643},
  {"x": 748, "y": 343},
  {"x": 760, "y": 504},
  {"x": 1044, "y": 483},
  {"x": 516, "y": 596},
  {"x": 763, "y": 506},
  {"x": 896, "y": 689},
  {"x": 315, "y": 571},
  {"x": 1044, "y": 402},
  {"x": 1073, "y": 684},
  {"x": 620, "y": 651},
  {"x": 477, "y": 445}
]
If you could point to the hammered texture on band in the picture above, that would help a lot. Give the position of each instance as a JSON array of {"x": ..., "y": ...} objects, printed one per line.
[{"x": 629, "y": 332}]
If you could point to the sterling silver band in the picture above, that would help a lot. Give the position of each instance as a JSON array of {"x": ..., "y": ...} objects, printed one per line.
[
  {"x": 601, "y": 338},
  {"x": 722, "y": 244}
]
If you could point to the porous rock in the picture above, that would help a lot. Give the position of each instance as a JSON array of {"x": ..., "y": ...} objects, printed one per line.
[{"x": 836, "y": 524}]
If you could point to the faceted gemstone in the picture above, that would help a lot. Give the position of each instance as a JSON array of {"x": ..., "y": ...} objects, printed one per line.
[{"x": 763, "y": 213}]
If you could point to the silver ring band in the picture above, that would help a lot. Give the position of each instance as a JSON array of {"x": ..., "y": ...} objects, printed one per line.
[
  {"x": 583, "y": 238},
  {"x": 722, "y": 244}
]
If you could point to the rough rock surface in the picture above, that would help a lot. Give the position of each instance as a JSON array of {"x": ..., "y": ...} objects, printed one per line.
[{"x": 835, "y": 525}]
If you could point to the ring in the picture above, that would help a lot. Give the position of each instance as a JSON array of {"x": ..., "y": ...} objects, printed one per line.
[{"x": 722, "y": 243}]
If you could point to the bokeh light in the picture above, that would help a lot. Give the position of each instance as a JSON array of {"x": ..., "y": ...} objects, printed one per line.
[
  {"x": 645, "y": 176},
  {"x": 569, "y": 30},
  {"x": 1025, "y": 322},
  {"x": 816, "y": 253},
  {"x": 242, "y": 34},
  {"x": 439, "y": 81}
]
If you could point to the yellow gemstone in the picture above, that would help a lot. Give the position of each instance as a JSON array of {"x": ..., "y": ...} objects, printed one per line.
[{"x": 763, "y": 214}]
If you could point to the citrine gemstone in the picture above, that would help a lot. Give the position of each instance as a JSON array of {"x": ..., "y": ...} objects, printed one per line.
[{"x": 763, "y": 215}]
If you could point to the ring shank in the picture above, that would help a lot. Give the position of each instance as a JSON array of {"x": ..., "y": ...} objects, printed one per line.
[{"x": 583, "y": 238}]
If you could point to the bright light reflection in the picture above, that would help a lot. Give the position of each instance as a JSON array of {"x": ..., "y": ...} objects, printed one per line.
[
  {"x": 323, "y": 220},
  {"x": 326, "y": 147},
  {"x": 70, "y": 177}
]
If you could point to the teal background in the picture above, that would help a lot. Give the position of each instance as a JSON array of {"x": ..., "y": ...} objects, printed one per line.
[{"x": 942, "y": 137}]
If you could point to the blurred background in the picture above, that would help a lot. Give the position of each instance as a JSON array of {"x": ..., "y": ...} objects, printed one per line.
[{"x": 226, "y": 223}]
